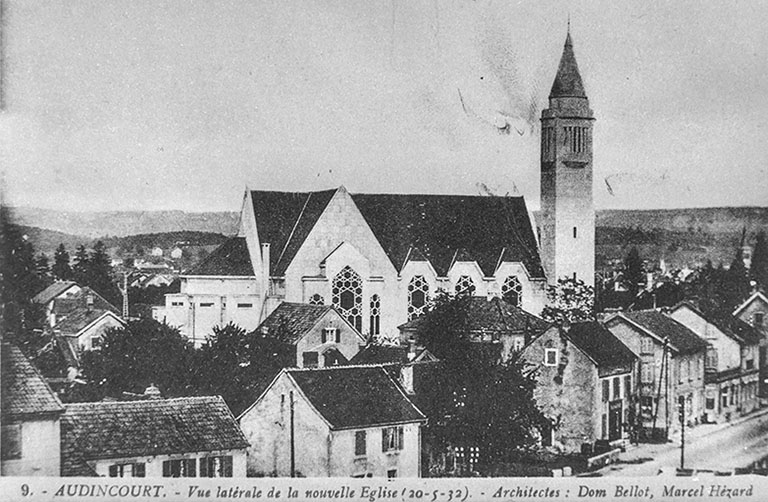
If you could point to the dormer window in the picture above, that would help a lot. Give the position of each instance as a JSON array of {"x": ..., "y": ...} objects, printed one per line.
[{"x": 757, "y": 319}]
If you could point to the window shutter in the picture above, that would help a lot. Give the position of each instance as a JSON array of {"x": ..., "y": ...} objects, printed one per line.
[
  {"x": 167, "y": 469},
  {"x": 226, "y": 466},
  {"x": 192, "y": 468},
  {"x": 204, "y": 467},
  {"x": 139, "y": 470},
  {"x": 112, "y": 471},
  {"x": 338, "y": 335},
  {"x": 399, "y": 438},
  {"x": 384, "y": 440}
]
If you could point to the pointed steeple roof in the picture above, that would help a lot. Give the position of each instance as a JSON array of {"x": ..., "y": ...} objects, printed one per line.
[{"x": 568, "y": 80}]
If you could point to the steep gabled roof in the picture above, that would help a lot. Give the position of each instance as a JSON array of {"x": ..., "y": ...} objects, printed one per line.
[
  {"x": 290, "y": 321},
  {"x": 663, "y": 326},
  {"x": 493, "y": 316},
  {"x": 440, "y": 225},
  {"x": 732, "y": 326},
  {"x": 355, "y": 396},
  {"x": 69, "y": 304},
  {"x": 24, "y": 391},
  {"x": 124, "y": 429},
  {"x": 231, "y": 258},
  {"x": 79, "y": 319},
  {"x": 755, "y": 296},
  {"x": 53, "y": 291},
  {"x": 568, "y": 79},
  {"x": 600, "y": 345},
  {"x": 284, "y": 219}
]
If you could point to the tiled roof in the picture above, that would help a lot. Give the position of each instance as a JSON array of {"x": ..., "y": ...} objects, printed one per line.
[
  {"x": 24, "y": 391},
  {"x": 381, "y": 354},
  {"x": 284, "y": 219},
  {"x": 150, "y": 427},
  {"x": 80, "y": 319},
  {"x": 494, "y": 316},
  {"x": 290, "y": 321},
  {"x": 356, "y": 396},
  {"x": 481, "y": 227},
  {"x": 600, "y": 345},
  {"x": 663, "y": 326},
  {"x": 484, "y": 228},
  {"x": 66, "y": 305},
  {"x": 568, "y": 79},
  {"x": 231, "y": 258},
  {"x": 732, "y": 326},
  {"x": 53, "y": 291}
]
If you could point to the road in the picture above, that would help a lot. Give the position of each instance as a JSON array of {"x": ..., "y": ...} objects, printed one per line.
[{"x": 712, "y": 447}]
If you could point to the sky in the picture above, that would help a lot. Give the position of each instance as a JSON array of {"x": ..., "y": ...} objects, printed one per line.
[{"x": 149, "y": 104}]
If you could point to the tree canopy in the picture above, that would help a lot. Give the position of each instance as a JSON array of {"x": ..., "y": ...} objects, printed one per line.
[{"x": 570, "y": 300}]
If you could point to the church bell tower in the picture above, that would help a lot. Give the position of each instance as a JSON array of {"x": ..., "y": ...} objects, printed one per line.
[{"x": 567, "y": 221}]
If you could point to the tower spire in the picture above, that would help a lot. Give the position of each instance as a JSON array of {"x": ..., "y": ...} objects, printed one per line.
[{"x": 568, "y": 79}]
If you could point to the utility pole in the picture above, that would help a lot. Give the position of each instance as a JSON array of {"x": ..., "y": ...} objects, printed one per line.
[
  {"x": 681, "y": 410},
  {"x": 293, "y": 444}
]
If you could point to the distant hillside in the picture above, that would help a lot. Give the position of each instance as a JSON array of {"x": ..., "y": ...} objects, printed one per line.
[
  {"x": 123, "y": 223},
  {"x": 46, "y": 241},
  {"x": 164, "y": 240},
  {"x": 712, "y": 219}
]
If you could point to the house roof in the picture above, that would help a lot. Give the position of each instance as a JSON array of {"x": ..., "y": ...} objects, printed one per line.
[
  {"x": 568, "y": 79},
  {"x": 484, "y": 228},
  {"x": 66, "y": 305},
  {"x": 663, "y": 326},
  {"x": 150, "y": 427},
  {"x": 231, "y": 258},
  {"x": 732, "y": 326},
  {"x": 493, "y": 316},
  {"x": 387, "y": 354},
  {"x": 53, "y": 291},
  {"x": 290, "y": 321},
  {"x": 599, "y": 344},
  {"x": 755, "y": 296},
  {"x": 81, "y": 318},
  {"x": 355, "y": 396},
  {"x": 24, "y": 391}
]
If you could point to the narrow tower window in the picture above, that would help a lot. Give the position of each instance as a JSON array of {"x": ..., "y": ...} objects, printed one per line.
[
  {"x": 574, "y": 232},
  {"x": 375, "y": 320}
]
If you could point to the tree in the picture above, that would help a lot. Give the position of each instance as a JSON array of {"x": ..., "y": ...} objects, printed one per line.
[
  {"x": 61, "y": 268},
  {"x": 143, "y": 353},
  {"x": 238, "y": 365},
  {"x": 99, "y": 274},
  {"x": 633, "y": 271},
  {"x": 476, "y": 399},
  {"x": 571, "y": 300},
  {"x": 81, "y": 265},
  {"x": 22, "y": 320},
  {"x": 759, "y": 267},
  {"x": 42, "y": 269}
]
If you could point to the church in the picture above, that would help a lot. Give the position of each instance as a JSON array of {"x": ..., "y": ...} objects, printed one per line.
[{"x": 379, "y": 258}]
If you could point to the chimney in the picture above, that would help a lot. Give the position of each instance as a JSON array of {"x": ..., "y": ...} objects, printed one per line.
[
  {"x": 89, "y": 301},
  {"x": 152, "y": 392},
  {"x": 411, "y": 350},
  {"x": 265, "y": 264}
]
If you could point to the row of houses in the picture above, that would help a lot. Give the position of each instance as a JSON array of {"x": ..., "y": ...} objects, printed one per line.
[{"x": 341, "y": 408}]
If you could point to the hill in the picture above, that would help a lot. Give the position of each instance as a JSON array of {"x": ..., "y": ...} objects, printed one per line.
[{"x": 124, "y": 223}]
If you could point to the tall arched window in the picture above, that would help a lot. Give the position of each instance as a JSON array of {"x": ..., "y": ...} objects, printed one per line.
[
  {"x": 512, "y": 291},
  {"x": 465, "y": 286},
  {"x": 316, "y": 299},
  {"x": 418, "y": 296},
  {"x": 347, "y": 296},
  {"x": 375, "y": 324}
]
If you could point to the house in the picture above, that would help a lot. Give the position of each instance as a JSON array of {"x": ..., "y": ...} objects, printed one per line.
[
  {"x": 671, "y": 367},
  {"x": 586, "y": 381},
  {"x": 59, "y": 289},
  {"x": 83, "y": 318},
  {"x": 321, "y": 336},
  {"x": 333, "y": 422},
  {"x": 184, "y": 437},
  {"x": 490, "y": 320},
  {"x": 752, "y": 312},
  {"x": 30, "y": 415},
  {"x": 392, "y": 354},
  {"x": 731, "y": 369}
]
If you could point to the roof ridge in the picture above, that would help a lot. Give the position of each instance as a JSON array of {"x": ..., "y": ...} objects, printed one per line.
[{"x": 344, "y": 366}]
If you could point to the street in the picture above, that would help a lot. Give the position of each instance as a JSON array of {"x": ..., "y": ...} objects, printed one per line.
[{"x": 721, "y": 447}]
